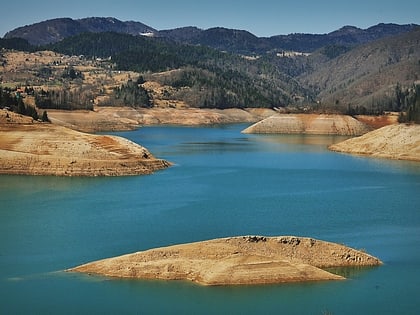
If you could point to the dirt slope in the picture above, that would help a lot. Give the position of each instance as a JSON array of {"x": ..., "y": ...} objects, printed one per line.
[
  {"x": 32, "y": 148},
  {"x": 309, "y": 124},
  {"x": 235, "y": 260},
  {"x": 126, "y": 118},
  {"x": 400, "y": 141}
]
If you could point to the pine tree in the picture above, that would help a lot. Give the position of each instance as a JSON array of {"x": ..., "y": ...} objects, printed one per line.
[{"x": 44, "y": 117}]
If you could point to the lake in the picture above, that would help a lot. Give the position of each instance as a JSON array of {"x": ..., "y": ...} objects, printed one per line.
[{"x": 223, "y": 183}]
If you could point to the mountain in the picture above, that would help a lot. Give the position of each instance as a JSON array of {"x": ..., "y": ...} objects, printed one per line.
[
  {"x": 351, "y": 69},
  {"x": 231, "y": 40},
  {"x": 55, "y": 30},
  {"x": 182, "y": 34},
  {"x": 243, "y": 42},
  {"x": 236, "y": 41},
  {"x": 367, "y": 76},
  {"x": 198, "y": 75},
  {"x": 346, "y": 36}
]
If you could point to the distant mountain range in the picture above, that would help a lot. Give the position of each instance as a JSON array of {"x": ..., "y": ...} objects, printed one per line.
[
  {"x": 239, "y": 41},
  {"x": 349, "y": 70},
  {"x": 236, "y": 41}
]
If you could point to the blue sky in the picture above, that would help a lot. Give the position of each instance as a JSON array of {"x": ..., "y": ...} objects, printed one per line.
[{"x": 260, "y": 17}]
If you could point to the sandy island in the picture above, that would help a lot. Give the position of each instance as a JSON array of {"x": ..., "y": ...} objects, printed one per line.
[
  {"x": 32, "y": 148},
  {"x": 235, "y": 261}
]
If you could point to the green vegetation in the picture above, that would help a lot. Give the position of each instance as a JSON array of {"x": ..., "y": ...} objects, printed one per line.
[
  {"x": 216, "y": 88},
  {"x": 13, "y": 100},
  {"x": 8, "y": 98},
  {"x": 215, "y": 79},
  {"x": 71, "y": 74},
  {"x": 333, "y": 51},
  {"x": 16, "y": 44},
  {"x": 131, "y": 94},
  {"x": 409, "y": 101},
  {"x": 65, "y": 98},
  {"x": 341, "y": 77}
]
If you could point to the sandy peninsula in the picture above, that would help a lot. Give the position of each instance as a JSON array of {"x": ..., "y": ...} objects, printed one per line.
[
  {"x": 399, "y": 141},
  {"x": 320, "y": 124},
  {"x": 235, "y": 261},
  {"x": 31, "y": 148}
]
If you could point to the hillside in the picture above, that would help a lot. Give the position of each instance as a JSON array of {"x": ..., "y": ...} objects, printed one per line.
[
  {"x": 31, "y": 148},
  {"x": 400, "y": 142},
  {"x": 309, "y": 124},
  {"x": 235, "y": 261},
  {"x": 367, "y": 76},
  {"x": 213, "y": 68},
  {"x": 198, "y": 75},
  {"x": 346, "y": 36}
]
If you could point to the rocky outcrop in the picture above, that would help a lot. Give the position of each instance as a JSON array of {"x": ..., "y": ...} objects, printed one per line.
[
  {"x": 400, "y": 141},
  {"x": 31, "y": 148},
  {"x": 309, "y": 124},
  {"x": 235, "y": 260}
]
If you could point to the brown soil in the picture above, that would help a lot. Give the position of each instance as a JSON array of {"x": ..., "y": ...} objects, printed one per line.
[
  {"x": 32, "y": 148},
  {"x": 377, "y": 122},
  {"x": 126, "y": 118},
  {"x": 235, "y": 260},
  {"x": 309, "y": 124},
  {"x": 400, "y": 141}
]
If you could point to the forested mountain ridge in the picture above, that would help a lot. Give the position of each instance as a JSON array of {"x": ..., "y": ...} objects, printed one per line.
[
  {"x": 369, "y": 75},
  {"x": 220, "y": 68},
  {"x": 346, "y": 36},
  {"x": 205, "y": 77},
  {"x": 241, "y": 41},
  {"x": 55, "y": 30},
  {"x": 236, "y": 41}
]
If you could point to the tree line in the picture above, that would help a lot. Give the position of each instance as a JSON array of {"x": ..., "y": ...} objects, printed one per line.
[
  {"x": 408, "y": 100},
  {"x": 205, "y": 77},
  {"x": 65, "y": 98},
  {"x": 12, "y": 100},
  {"x": 131, "y": 94},
  {"x": 215, "y": 79}
]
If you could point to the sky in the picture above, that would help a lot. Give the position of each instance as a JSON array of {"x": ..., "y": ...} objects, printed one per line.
[{"x": 263, "y": 18}]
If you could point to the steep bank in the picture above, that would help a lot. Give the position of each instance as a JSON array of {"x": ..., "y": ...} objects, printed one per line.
[
  {"x": 309, "y": 124},
  {"x": 235, "y": 260},
  {"x": 126, "y": 118},
  {"x": 400, "y": 141},
  {"x": 31, "y": 148}
]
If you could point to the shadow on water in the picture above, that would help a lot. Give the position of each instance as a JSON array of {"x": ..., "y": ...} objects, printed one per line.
[{"x": 353, "y": 272}]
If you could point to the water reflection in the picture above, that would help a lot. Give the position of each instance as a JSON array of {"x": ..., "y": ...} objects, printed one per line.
[
  {"x": 324, "y": 140},
  {"x": 234, "y": 184},
  {"x": 351, "y": 272}
]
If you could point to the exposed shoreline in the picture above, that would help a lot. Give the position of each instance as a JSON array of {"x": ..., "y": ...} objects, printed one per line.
[
  {"x": 235, "y": 261},
  {"x": 126, "y": 118},
  {"x": 31, "y": 148},
  {"x": 317, "y": 124},
  {"x": 398, "y": 142}
]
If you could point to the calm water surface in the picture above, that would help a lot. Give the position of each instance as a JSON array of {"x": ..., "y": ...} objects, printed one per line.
[{"x": 224, "y": 183}]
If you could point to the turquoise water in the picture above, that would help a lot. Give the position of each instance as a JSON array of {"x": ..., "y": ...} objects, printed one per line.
[{"x": 223, "y": 183}]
